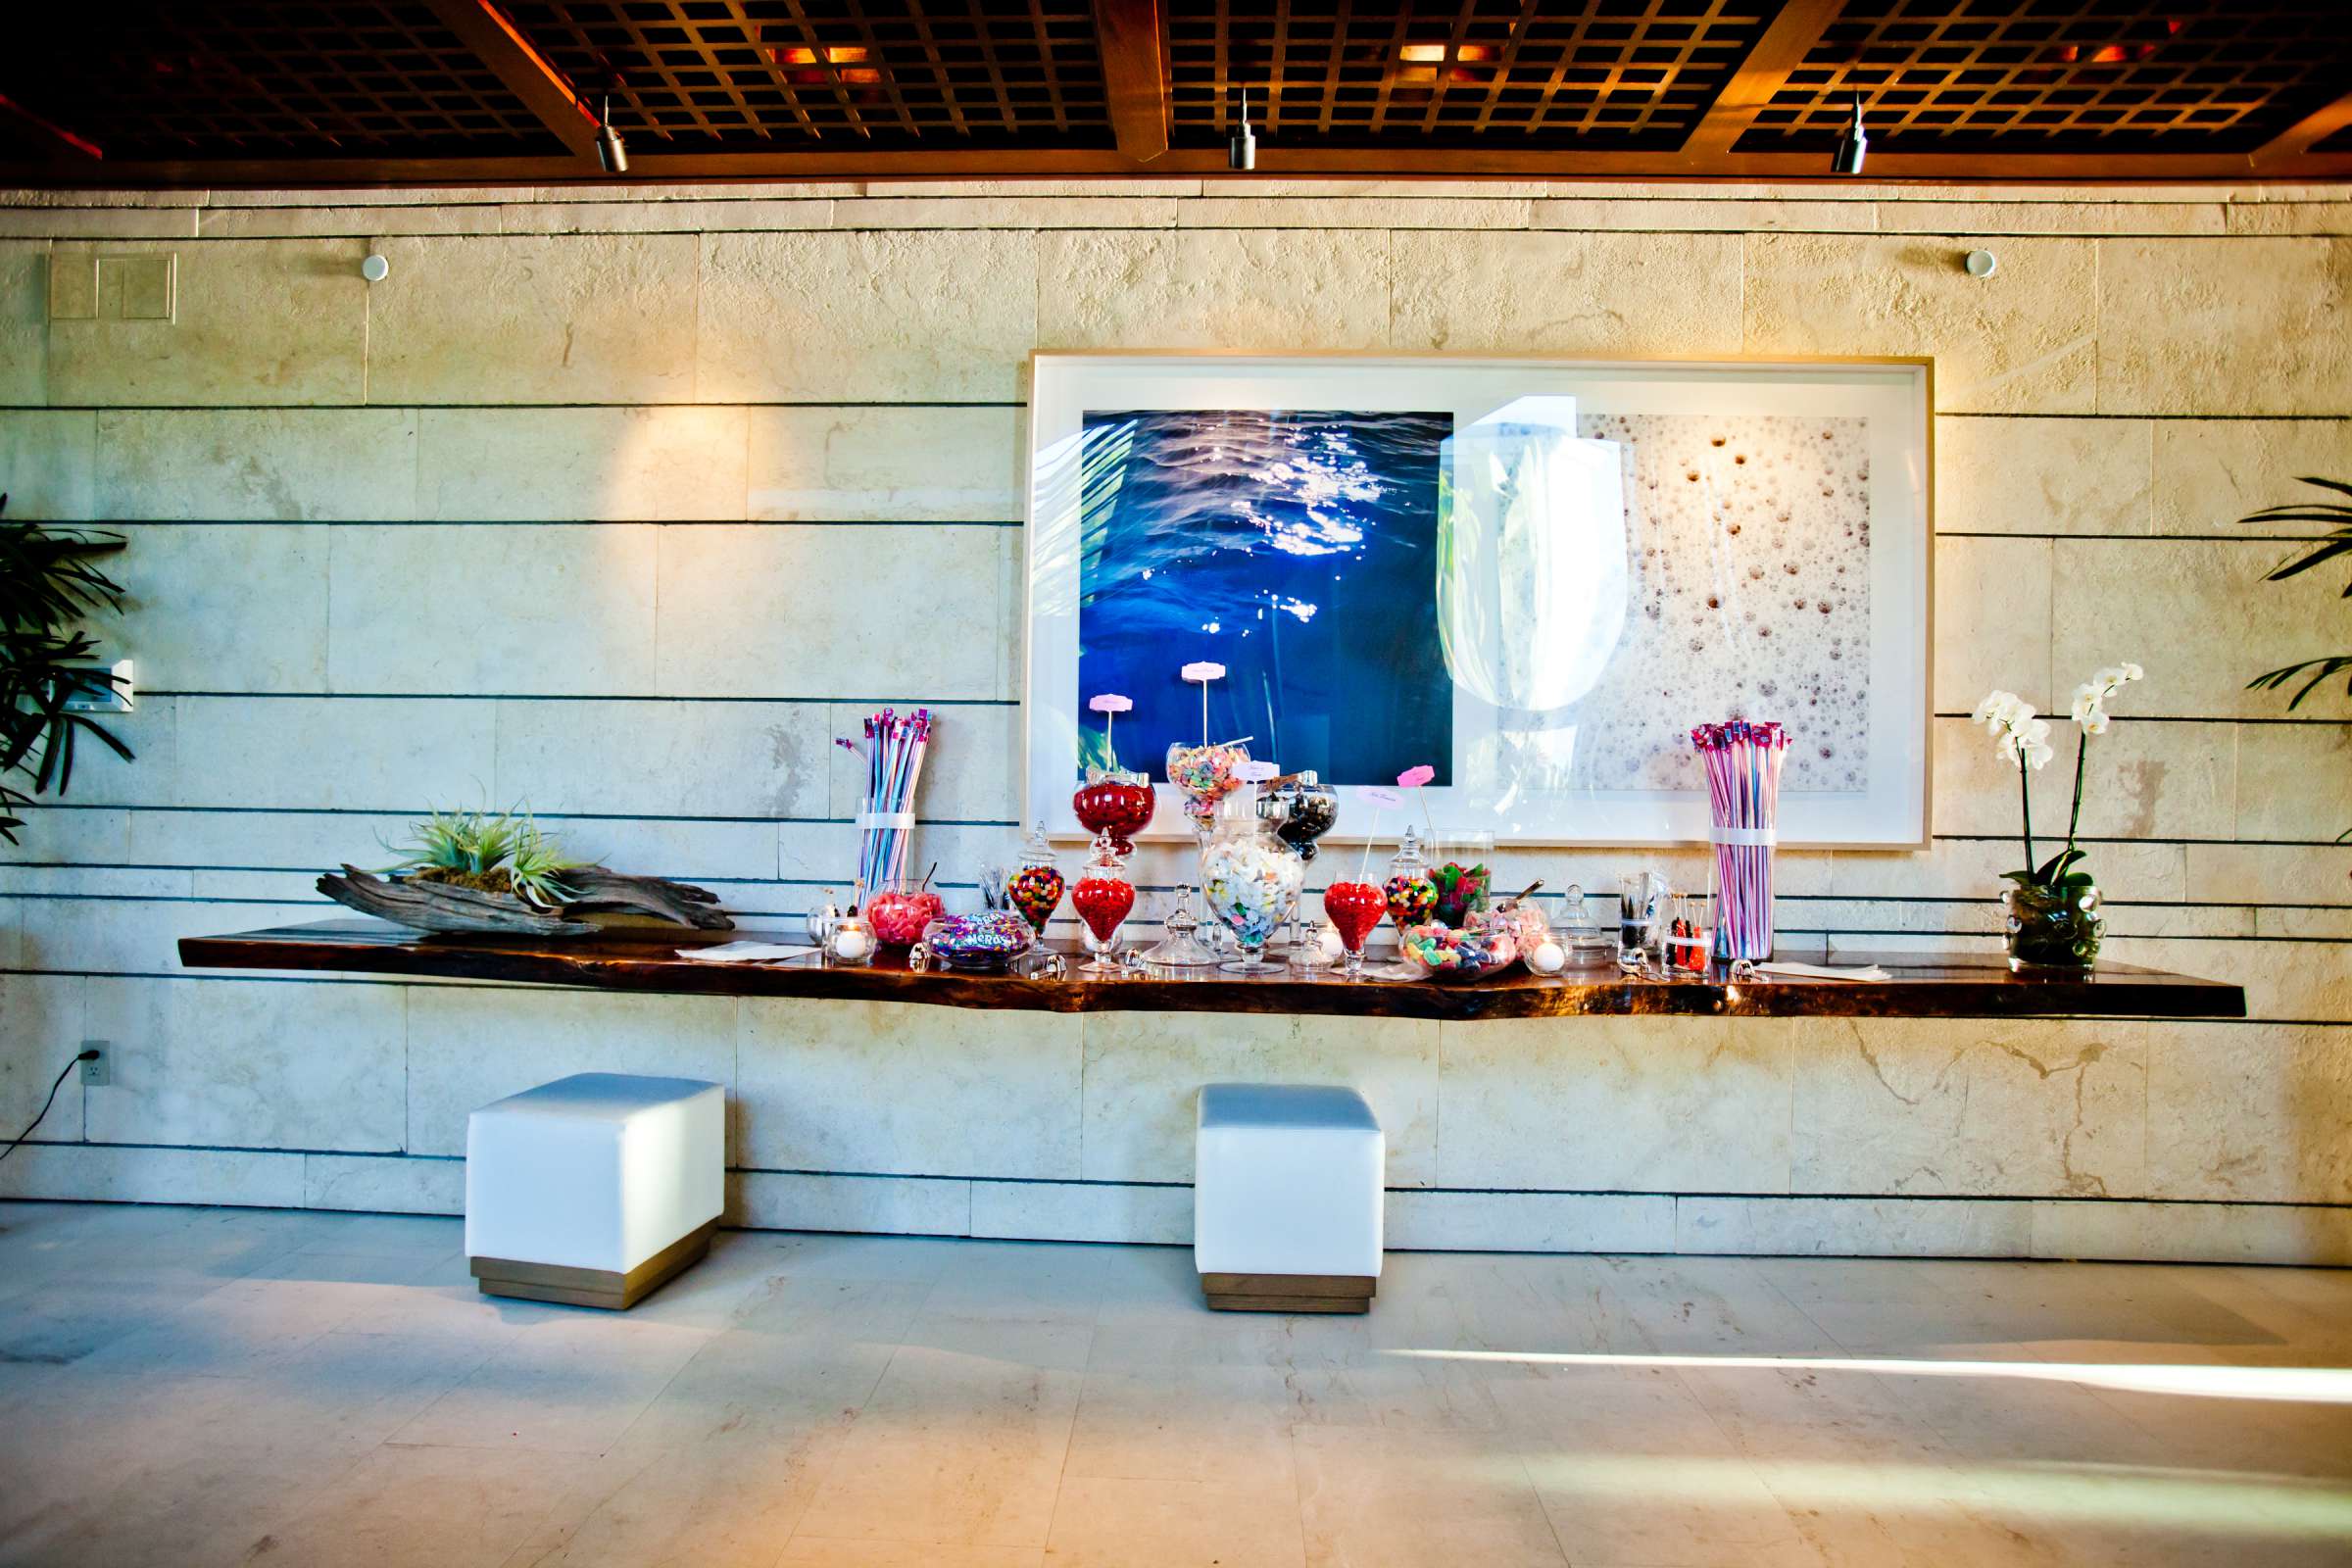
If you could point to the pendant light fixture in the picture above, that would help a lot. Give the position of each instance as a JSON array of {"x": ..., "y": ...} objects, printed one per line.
[
  {"x": 611, "y": 153},
  {"x": 1853, "y": 146},
  {"x": 1242, "y": 150}
]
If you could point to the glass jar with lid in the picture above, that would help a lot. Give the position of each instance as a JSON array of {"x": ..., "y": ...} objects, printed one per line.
[{"x": 1250, "y": 878}]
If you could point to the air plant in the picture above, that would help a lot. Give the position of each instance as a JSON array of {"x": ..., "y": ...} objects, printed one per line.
[
  {"x": 506, "y": 853},
  {"x": 535, "y": 865}
]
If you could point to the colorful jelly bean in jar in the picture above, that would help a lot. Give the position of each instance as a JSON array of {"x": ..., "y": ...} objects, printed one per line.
[
  {"x": 1036, "y": 885},
  {"x": 1410, "y": 893}
]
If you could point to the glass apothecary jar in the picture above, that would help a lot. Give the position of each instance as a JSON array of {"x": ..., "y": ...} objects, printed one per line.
[
  {"x": 1103, "y": 897},
  {"x": 1036, "y": 885},
  {"x": 1251, "y": 880},
  {"x": 1411, "y": 895}
]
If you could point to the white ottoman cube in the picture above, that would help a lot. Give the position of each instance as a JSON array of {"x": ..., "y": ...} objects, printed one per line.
[
  {"x": 595, "y": 1189},
  {"x": 1287, "y": 1198}
]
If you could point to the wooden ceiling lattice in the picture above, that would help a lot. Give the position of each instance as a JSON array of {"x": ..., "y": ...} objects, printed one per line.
[
  {"x": 831, "y": 72},
  {"x": 2062, "y": 76},
  {"x": 161, "y": 79},
  {"x": 1624, "y": 74},
  {"x": 285, "y": 93}
]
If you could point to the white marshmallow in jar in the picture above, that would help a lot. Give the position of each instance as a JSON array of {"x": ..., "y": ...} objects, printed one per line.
[{"x": 1251, "y": 885}]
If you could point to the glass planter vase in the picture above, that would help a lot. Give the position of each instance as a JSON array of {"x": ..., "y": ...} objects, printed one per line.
[{"x": 2054, "y": 930}]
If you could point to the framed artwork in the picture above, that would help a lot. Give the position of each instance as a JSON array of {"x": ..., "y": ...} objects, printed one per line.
[{"x": 1534, "y": 576}]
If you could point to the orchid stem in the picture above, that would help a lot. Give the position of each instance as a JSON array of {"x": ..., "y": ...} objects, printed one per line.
[
  {"x": 2025, "y": 792},
  {"x": 2082, "y": 754}
]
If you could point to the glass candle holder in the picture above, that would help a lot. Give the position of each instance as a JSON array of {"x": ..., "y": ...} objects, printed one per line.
[{"x": 850, "y": 942}]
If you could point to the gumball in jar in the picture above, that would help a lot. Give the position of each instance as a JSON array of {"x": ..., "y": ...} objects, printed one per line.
[{"x": 1036, "y": 885}]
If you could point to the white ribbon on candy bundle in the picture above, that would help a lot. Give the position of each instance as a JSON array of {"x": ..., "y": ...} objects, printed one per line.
[{"x": 1765, "y": 836}]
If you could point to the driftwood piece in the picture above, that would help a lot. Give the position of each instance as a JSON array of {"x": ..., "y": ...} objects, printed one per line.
[
  {"x": 439, "y": 907},
  {"x": 444, "y": 906},
  {"x": 679, "y": 903}
]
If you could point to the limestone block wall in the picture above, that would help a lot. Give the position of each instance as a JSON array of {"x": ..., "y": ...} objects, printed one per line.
[{"x": 621, "y": 502}]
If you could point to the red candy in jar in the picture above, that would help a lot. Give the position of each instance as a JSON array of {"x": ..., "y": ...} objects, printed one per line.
[
  {"x": 899, "y": 914},
  {"x": 1035, "y": 890},
  {"x": 1104, "y": 903},
  {"x": 1118, "y": 805},
  {"x": 1354, "y": 909}
]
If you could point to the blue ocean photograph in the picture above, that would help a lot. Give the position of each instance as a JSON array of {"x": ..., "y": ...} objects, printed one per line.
[{"x": 1296, "y": 548}]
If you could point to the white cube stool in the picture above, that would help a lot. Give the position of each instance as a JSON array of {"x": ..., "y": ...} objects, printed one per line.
[
  {"x": 1287, "y": 1198},
  {"x": 595, "y": 1189}
]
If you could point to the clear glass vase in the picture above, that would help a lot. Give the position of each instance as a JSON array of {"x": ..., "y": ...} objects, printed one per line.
[{"x": 2054, "y": 931}]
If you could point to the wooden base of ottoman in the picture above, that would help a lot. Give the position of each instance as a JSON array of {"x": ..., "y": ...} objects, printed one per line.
[
  {"x": 592, "y": 1287},
  {"x": 1288, "y": 1292}
]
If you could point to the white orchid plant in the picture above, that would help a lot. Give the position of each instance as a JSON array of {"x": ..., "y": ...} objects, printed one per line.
[{"x": 2022, "y": 738}]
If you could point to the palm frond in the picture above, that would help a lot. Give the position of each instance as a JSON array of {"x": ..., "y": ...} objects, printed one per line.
[
  {"x": 47, "y": 587},
  {"x": 2325, "y": 669}
]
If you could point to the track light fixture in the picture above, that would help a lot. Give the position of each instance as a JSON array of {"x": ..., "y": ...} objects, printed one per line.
[
  {"x": 1242, "y": 150},
  {"x": 611, "y": 153},
  {"x": 1853, "y": 146}
]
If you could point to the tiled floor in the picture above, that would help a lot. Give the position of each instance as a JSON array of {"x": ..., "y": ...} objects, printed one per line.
[{"x": 194, "y": 1387}]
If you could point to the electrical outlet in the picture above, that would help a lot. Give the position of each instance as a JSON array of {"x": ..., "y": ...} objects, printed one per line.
[
  {"x": 100, "y": 695},
  {"x": 100, "y": 1073}
]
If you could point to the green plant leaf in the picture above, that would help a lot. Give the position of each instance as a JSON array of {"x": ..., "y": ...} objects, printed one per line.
[{"x": 2054, "y": 868}]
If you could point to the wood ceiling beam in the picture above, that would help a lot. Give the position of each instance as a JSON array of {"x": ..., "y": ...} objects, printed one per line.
[
  {"x": 1135, "y": 74},
  {"x": 2299, "y": 138},
  {"x": 528, "y": 75},
  {"x": 1783, "y": 48},
  {"x": 1285, "y": 163},
  {"x": 55, "y": 137}
]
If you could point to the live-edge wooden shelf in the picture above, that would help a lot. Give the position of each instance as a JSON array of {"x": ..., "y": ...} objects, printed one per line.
[{"x": 638, "y": 959}]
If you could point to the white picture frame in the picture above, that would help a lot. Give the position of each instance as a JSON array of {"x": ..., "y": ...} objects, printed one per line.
[{"x": 1880, "y": 410}]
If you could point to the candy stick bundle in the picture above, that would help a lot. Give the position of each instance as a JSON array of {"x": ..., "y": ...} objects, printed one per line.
[
  {"x": 894, "y": 749},
  {"x": 1743, "y": 800}
]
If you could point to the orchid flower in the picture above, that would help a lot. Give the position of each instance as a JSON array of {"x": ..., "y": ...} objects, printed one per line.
[
  {"x": 2089, "y": 710},
  {"x": 2016, "y": 734},
  {"x": 2022, "y": 739}
]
